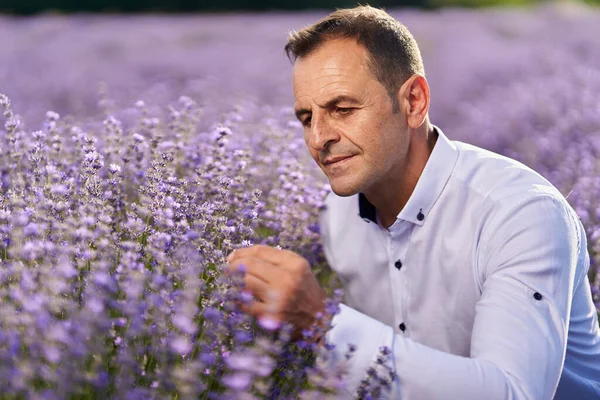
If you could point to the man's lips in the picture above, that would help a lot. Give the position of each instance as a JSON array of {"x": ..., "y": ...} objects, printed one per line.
[{"x": 333, "y": 160}]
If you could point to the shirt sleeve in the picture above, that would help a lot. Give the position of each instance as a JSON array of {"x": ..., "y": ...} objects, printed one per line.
[{"x": 527, "y": 260}]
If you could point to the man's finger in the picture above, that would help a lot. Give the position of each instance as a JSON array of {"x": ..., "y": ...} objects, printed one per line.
[
  {"x": 270, "y": 254},
  {"x": 254, "y": 308},
  {"x": 259, "y": 288},
  {"x": 257, "y": 267}
]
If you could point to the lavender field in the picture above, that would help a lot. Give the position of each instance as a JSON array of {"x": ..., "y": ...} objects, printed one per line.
[{"x": 136, "y": 152}]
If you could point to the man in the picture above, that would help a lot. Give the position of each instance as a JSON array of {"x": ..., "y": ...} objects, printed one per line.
[{"x": 470, "y": 267}]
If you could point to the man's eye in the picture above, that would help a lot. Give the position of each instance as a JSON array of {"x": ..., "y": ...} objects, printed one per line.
[
  {"x": 306, "y": 122},
  {"x": 343, "y": 110}
]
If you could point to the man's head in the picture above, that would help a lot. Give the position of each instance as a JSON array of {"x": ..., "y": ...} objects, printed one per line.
[
  {"x": 359, "y": 92},
  {"x": 393, "y": 54}
]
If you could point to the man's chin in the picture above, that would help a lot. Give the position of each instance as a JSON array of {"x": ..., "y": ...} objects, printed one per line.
[{"x": 343, "y": 190}]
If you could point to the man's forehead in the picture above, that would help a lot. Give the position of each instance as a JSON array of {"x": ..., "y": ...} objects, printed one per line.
[
  {"x": 327, "y": 75},
  {"x": 331, "y": 55},
  {"x": 321, "y": 93}
]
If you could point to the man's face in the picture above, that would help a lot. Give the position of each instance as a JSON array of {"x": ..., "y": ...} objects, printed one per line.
[{"x": 349, "y": 124}]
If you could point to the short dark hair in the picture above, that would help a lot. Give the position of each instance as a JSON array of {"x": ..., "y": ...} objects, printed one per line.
[{"x": 393, "y": 52}]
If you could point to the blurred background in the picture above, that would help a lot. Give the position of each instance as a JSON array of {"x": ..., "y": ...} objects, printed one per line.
[{"x": 176, "y": 6}]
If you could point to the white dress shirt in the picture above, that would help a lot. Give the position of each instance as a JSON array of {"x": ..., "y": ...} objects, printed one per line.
[{"x": 479, "y": 288}]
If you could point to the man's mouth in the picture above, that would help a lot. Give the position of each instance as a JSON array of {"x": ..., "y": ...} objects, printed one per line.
[{"x": 336, "y": 159}]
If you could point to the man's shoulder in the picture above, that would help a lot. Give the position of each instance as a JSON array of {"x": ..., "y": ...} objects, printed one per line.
[
  {"x": 499, "y": 178},
  {"x": 505, "y": 187}
]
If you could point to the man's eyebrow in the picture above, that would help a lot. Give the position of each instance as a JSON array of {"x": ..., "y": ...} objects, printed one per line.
[
  {"x": 301, "y": 112},
  {"x": 331, "y": 103}
]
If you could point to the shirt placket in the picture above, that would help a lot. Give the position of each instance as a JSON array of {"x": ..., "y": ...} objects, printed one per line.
[{"x": 398, "y": 239}]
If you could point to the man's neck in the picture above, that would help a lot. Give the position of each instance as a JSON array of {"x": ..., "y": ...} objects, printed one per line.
[{"x": 390, "y": 200}]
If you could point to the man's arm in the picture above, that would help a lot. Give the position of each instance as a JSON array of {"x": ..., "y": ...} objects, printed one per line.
[{"x": 528, "y": 260}]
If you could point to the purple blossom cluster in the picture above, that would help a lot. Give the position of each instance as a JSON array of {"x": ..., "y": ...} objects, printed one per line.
[{"x": 117, "y": 214}]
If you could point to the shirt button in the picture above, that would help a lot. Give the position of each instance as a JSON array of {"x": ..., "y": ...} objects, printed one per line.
[
  {"x": 537, "y": 296},
  {"x": 420, "y": 215},
  {"x": 402, "y": 327},
  {"x": 398, "y": 264}
]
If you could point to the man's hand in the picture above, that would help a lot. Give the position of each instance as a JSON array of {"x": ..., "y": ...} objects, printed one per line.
[{"x": 283, "y": 285}]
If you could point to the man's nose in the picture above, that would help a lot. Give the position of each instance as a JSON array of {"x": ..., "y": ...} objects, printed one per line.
[{"x": 321, "y": 134}]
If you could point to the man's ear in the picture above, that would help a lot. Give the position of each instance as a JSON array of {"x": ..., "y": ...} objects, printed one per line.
[{"x": 414, "y": 100}]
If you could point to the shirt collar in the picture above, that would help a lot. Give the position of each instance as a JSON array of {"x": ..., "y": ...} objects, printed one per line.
[{"x": 432, "y": 181}]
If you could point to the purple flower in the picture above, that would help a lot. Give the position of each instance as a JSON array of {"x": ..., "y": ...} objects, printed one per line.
[
  {"x": 181, "y": 345},
  {"x": 238, "y": 381},
  {"x": 269, "y": 323},
  {"x": 185, "y": 324},
  {"x": 114, "y": 168}
]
